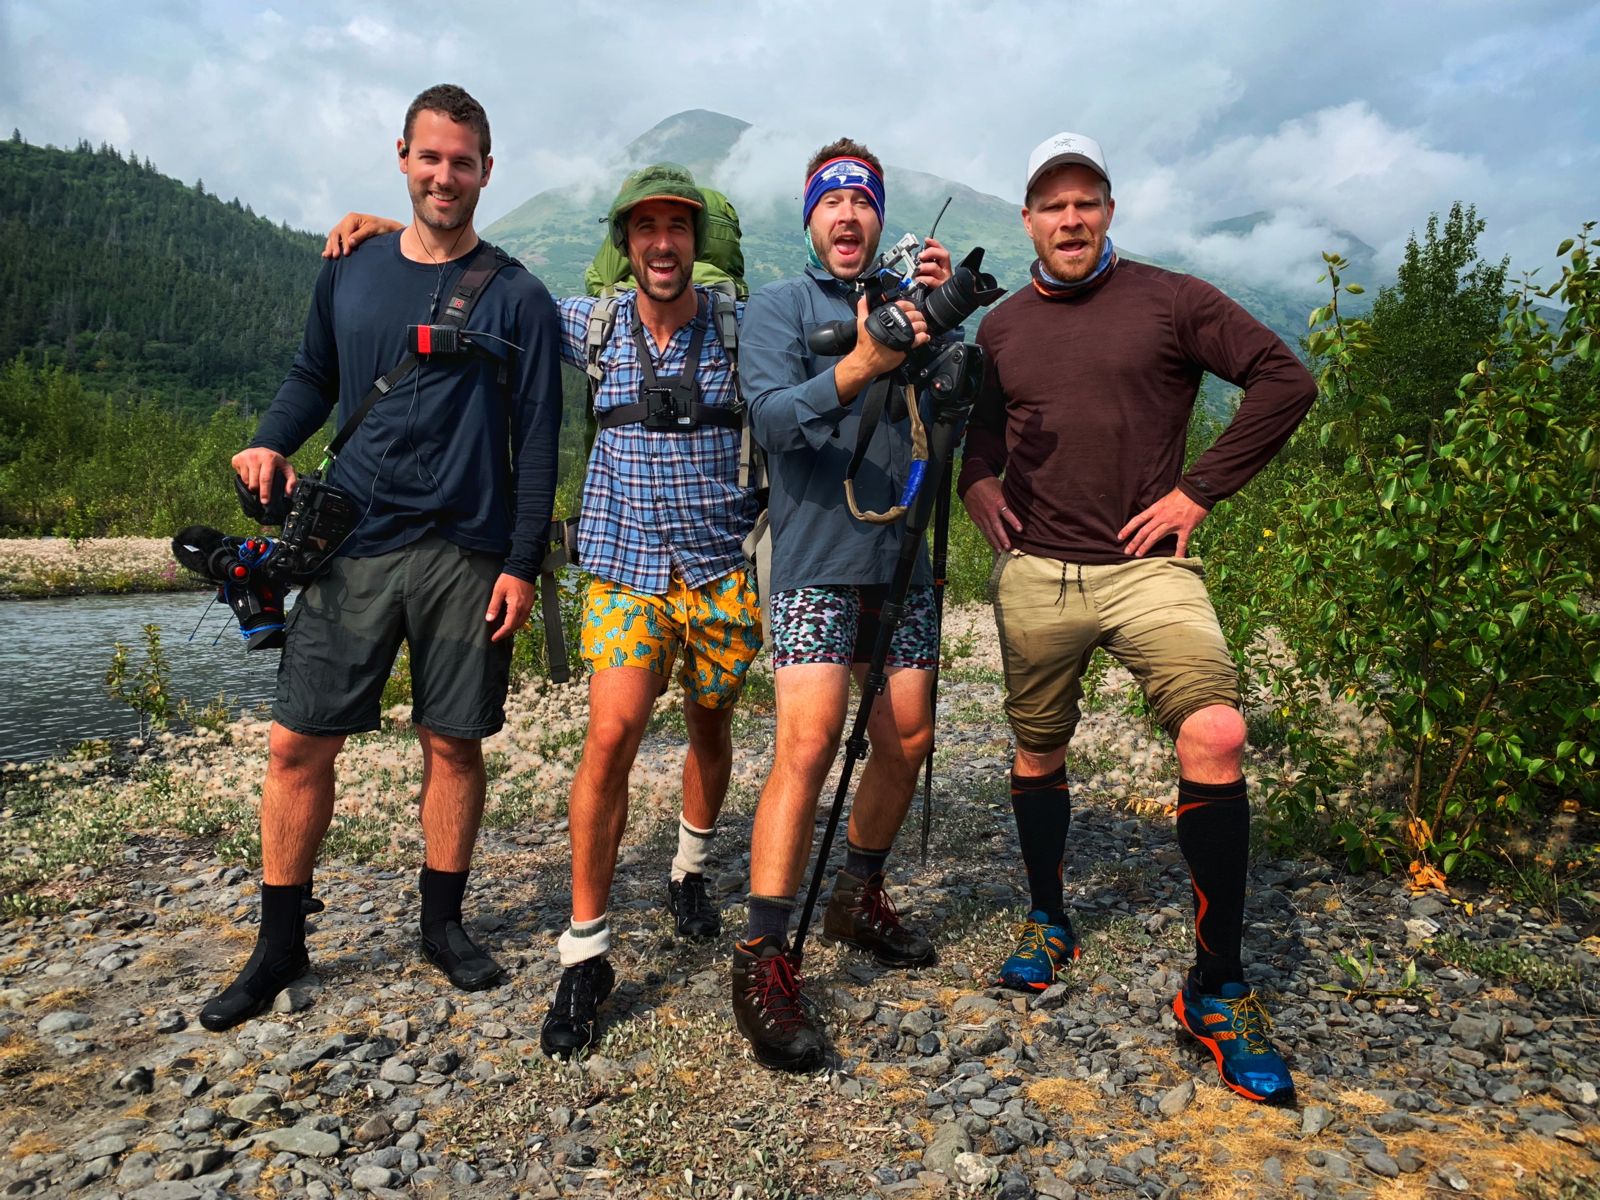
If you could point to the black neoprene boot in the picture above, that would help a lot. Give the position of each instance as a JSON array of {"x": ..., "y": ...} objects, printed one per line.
[
  {"x": 444, "y": 940},
  {"x": 278, "y": 960}
]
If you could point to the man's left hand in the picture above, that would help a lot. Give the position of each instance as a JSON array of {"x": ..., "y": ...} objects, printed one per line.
[
  {"x": 513, "y": 597},
  {"x": 933, "y": 265},
  {"x": 1173, "y": 513}
]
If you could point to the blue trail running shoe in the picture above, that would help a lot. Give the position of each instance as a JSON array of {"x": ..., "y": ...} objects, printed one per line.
[
  {"x": 1233, "y": 1025},
  {"x": 1042, "y": 951}
]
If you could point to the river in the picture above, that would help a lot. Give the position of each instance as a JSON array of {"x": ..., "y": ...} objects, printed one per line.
[{"x": 54, "y": 655}]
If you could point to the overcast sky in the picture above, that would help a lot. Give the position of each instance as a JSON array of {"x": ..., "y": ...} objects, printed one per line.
[{"x": 1358, "y": 117}]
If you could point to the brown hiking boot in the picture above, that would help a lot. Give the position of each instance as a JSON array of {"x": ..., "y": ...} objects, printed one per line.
[
  {"x": 770, "y": 1011},
  {"x": 861, "y": 914}
]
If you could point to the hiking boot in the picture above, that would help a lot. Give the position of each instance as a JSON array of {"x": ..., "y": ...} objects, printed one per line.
[
  {"x": 690, "y": 902},
  {"x": 254, "y": 989},
  {"x": 1233, "y": 1025},
  {"x": 467, "y": 964},
  {"x": 770, "y": 1011},
  {"x": 1043, "y": 950},
  {"x": 861, "y": 914},
  {"x": 568, "y": 1027}
]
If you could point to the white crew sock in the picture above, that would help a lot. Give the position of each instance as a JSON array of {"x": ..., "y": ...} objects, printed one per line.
[
  {"x": 694, "y": 850},
  {"x": 584, "y": 940}
]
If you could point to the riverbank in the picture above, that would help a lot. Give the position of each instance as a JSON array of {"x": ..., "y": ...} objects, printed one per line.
[
  {"x": 37, "y": 568},
  {"x": 1478, "y": 1076}
]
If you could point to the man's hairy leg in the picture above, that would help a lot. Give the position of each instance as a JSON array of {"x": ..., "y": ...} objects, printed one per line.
[
  {"x": 453, "y": 786},
  {"x": 709, "y": 764},
  {"x": 811, "y": 711},
  {"x": 619, "y": 709},
  {"x": 900, "y": 731},
  {"x": 296, "y": 803}
]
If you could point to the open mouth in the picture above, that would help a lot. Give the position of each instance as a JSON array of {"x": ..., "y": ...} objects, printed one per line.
[
  {"x": 662, "y": 268},
  {"x": 847, "y": 245}
]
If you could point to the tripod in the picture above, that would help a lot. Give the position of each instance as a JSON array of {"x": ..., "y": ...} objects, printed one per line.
[{"x": 952, "y": 401}]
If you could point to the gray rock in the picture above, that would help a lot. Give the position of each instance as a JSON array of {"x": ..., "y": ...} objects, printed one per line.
[
  {"x": 917, "y": 1023},
  {"x": 304, "y": 1141},
  {"x": 197, "y": 1119},
  {"x": 1409, "y": 1159},
  {"x": 171, "y": 1189},
  {"x": 101, "y": 1147},
  {"x": 372, "y": 1178},
  {"x": 948, "y": 1142},
  {"x": 395, "y": 1071},
  {"x": 63, "y": 1022},
  {"x": 292, "y": 1000},
  {"x": 1380, "y": 1163},
  {"x": 1477, "y": 1033},
  {"x": 972, "y": 1169},
  {"x": 171, "y": 1021},
  {"x": 373, "y": 1129},
  {"x": 985, "y": 1108},
  {"x": 1314, "y": 1120},
  {"x": 1175, "y": 1100},
  {"x": 253, "y": 1106}
]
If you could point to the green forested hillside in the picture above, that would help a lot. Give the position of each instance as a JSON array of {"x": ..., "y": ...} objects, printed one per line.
[{"x": 142, "y": 284}]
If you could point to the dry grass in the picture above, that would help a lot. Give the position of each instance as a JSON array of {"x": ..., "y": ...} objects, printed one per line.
[
  {"x": 19, "y": 1053},
  {"x": 31, "y": 1141},
  {"x": 1083, "y": 1102},
  {"x": 62, "y": 998}
]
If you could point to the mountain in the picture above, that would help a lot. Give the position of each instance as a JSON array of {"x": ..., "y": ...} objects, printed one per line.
[
  {"x": 141, "y": 283},
  {"x": 557, "y": 231}
]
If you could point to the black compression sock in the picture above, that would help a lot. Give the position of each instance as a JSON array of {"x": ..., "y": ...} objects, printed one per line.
[
  {"x": 863, "y": 863},
  {"x": 278, "y": 959},
  {"x": 442, "y": 892},
  {"x": 769, "y": 917},
  {"x": 1043, "y": 808},
  {"x": 1214, "y": 835}
]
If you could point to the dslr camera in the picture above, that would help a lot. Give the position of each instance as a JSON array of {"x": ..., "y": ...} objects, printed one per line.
[{"x": 942, "y": 367}]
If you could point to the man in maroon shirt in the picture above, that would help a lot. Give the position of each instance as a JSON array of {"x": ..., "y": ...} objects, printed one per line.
[{"x": 1074, "y": 473}]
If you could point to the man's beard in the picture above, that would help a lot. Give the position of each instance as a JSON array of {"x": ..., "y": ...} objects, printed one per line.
[
  {"x": 661, "y": 293},
  {"x": 1075, "y": 272},
  {"x": 461, "y": 215}
]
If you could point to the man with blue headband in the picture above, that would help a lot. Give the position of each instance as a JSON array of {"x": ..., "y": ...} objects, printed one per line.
[{"x": 830, "y": 573}]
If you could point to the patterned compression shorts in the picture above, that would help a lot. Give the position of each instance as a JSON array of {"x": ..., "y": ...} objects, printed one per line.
[
  {"x": 716, "y": 627},
  {"x": 839, "y": 624}
]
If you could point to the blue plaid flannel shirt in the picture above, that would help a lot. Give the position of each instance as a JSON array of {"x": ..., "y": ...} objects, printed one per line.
[{"x": 655, "y": 502}]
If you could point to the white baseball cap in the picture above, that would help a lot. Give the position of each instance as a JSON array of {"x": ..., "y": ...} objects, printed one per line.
[{"x": 1062, "y": 149}]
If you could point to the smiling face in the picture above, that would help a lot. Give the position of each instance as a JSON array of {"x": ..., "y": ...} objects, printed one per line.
[
  {"x": 1069, "y": 211},
  {"x": 445, "y": 170},
  {"x": 661, "y": 248},
  {"x": 844, "y": 232}
]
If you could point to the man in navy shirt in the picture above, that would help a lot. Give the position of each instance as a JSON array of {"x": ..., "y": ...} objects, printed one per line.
[{"x": 454, "y": 470}]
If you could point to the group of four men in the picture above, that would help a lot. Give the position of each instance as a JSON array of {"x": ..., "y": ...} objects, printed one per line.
[{"x": 1073, "y": 471}]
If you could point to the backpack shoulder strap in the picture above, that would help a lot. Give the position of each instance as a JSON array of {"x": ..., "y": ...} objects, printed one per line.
[{"x": 602, "y": 320}]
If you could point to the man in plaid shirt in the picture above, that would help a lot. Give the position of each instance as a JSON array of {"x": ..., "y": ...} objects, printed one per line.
[{"x": 661, "y": 530}]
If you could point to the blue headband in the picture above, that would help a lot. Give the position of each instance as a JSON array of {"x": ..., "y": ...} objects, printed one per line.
[{"x": 850, "y": 173}]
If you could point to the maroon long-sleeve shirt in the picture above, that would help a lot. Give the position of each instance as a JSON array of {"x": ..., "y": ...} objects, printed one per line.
[{"x": 1087, "y": 398}]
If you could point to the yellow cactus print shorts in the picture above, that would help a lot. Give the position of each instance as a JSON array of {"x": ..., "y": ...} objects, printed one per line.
[{"x": 712, "y": 631}]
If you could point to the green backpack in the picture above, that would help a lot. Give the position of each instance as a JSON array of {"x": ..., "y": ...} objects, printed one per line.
[{"x": 721, "y": 261}]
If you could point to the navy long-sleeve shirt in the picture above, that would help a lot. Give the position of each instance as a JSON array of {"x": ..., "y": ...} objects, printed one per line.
[{"x": 451, "y": 450}]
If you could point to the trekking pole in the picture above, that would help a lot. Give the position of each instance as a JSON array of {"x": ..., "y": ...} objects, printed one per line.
[
  {"x": 941, "y": 557},
  {"x": 942, "y": 435}
]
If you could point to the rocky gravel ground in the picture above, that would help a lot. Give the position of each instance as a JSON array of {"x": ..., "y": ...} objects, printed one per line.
[{"x": 1476, "y": 1077}]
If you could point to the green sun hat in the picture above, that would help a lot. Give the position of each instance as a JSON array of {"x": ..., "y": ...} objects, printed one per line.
[{"x": 659, "y": 181}]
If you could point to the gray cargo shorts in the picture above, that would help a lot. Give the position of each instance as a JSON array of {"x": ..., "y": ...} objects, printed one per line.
[{"x": 343, "y": 633}]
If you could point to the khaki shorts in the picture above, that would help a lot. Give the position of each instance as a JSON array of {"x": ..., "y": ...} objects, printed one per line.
[
  {"x": 1152, "y": 615},
  {"x": 716, "y": 628}
]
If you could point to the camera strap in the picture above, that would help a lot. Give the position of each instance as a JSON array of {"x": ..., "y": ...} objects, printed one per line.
[
  {"x": 872, "y": 405},
  {"x": 483, "y": 266}
]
